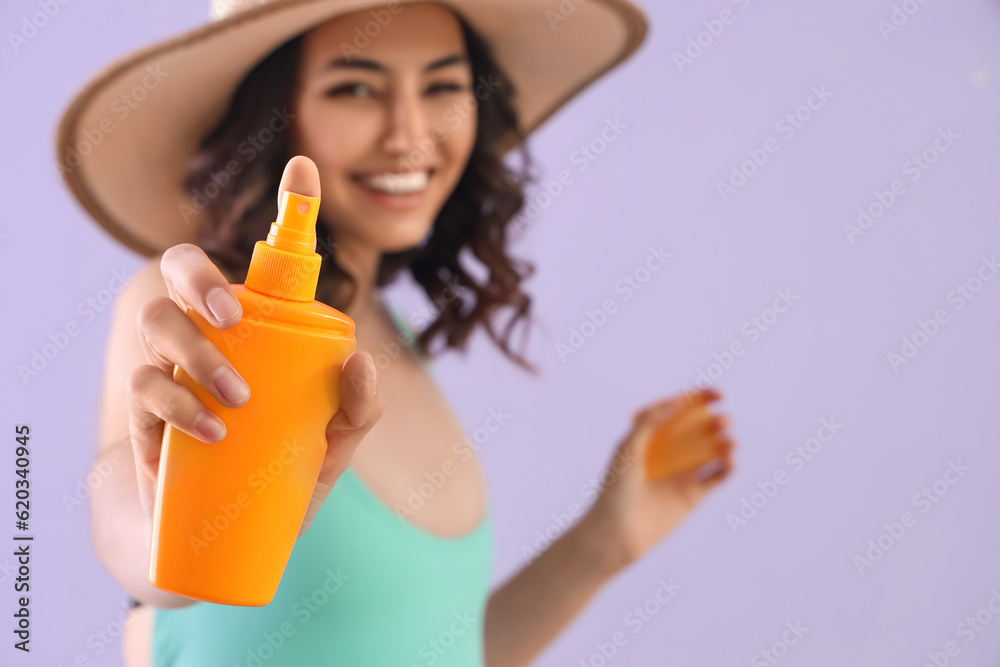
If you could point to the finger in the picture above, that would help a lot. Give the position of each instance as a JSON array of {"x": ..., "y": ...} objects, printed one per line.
[
  {"x": 669, "y": 452},
  {"x": 725, "y": 470},
  {"x": 684, "y": 417},
  {"x": 169, "y": 337},
  {"x": 697, "y": 422},
  {"x": 154, "y": 398},
  {"x": 361, "y": 406},
  {"x": 724, "y": 461},
  {"x": 650, "y": 426},
  {"x": 694, "y": 444},
  {"x": 691, "y": 399},
  {"x": 676, "y": 404},
  {"x": 706, "y": 395},
  {"x": 643, "y": 413},
  {"x": 193, "y": 280},
  {"x": 649, "y": 419},
  {"x": 670, "y": 457},
  {"x": 301, "y": 176},
  {"x": 676, "y": 419}
]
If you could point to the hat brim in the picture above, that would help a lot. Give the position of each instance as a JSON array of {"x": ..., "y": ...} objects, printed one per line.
[{"x": 125, "y": 139}]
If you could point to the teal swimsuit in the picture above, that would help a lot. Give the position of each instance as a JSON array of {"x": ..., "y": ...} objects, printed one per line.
[{"x": 362, "y": 588}]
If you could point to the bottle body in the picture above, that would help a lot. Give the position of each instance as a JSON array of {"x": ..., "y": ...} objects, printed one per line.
[
  {"x": 668, "y": 455},
  {"x": 227, "y": 514}
]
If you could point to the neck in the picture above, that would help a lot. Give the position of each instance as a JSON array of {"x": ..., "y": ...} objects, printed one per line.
[{"x": 372, "y": 321}]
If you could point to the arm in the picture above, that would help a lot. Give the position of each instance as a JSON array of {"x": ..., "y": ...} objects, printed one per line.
[
  {"x": 527, "y": 612},
  {"x": 150, "y": 334},
  {"x": 631, "y": 514},
  {"x": 119, "y": 528}
]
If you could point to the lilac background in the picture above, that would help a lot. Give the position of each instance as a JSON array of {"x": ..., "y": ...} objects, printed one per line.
[{"x": 656, "y": 185}]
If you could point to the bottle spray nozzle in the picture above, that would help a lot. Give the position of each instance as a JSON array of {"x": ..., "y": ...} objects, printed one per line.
[
  {"x": 295, "y": 228},
  {"x": 286, "y": 264}
]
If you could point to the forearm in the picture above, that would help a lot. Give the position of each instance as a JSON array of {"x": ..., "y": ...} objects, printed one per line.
[
  {"x": 527, "y": 612},
  {"x": 121, "y": 532}
]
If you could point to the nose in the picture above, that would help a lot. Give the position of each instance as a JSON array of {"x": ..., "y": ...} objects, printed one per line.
[{"x": 405, "y": 122}]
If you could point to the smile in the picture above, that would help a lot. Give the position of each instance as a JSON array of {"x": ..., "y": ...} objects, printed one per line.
[
  {"x": 393, "y": 190},
  {"x": 395, "y": 183}
]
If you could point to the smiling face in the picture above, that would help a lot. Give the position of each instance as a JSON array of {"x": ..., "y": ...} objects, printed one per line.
[{"x": 390, "y": 125}]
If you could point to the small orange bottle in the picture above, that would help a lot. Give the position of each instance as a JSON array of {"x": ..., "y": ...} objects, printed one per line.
[
  {"x": 668, "y": 455},
  {"x": 227, "y": 514}
]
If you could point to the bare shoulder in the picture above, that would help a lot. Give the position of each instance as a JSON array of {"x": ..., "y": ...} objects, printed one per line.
[
  {"x": 124, "y": 349},
  {"x": 145, "y": 283}
]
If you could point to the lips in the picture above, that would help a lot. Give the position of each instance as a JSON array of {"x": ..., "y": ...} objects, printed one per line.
[
  {"x": 394, "y": 182},
  {"x": 392, "y": 190}
]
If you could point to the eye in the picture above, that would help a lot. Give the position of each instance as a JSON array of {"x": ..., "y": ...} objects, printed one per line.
[
  {"x": 348, "y": 88},
  {"x": 446, "y": 87}
]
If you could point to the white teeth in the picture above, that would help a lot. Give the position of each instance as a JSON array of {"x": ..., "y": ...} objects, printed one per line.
[{"x": 398, "y": 184}]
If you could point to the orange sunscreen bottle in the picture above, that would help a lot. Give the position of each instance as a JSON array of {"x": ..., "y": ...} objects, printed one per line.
[
  {"x": 227, "y": 514},
  {"x": 668, "y": 455}
]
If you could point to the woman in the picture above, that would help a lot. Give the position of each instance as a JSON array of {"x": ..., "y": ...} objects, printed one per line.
[{"x": 405, "y": 132}]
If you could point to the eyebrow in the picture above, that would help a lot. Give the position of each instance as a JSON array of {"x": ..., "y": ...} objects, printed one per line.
[{"x": 372, "y": 65}]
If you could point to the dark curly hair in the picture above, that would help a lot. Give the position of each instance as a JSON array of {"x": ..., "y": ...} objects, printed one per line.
[{"x": 478, "y": 214}]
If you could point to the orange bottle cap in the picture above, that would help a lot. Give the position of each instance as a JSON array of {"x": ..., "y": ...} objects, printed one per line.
[{"x": 286, "y": 264}]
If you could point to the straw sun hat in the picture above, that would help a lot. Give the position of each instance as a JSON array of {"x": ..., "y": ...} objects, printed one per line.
[{"x": 124, "y": 140}]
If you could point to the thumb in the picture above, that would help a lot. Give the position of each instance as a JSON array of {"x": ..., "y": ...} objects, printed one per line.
[
  {"x": 645, "y": 423},
  {"x": 361, "y": 406},
  {"x": 301, "y": 176}
]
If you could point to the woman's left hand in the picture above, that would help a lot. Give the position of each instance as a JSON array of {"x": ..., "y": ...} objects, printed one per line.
[{"x": 632, "y": 512}]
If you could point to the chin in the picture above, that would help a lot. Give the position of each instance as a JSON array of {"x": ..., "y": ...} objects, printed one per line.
[
  {"x": 404, "y": 240},
  {"x": 389, "y": 232},
  {"x": 392, "y": 235}
]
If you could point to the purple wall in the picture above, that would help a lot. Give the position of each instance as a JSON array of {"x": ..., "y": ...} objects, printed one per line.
[{"x": 886, "y": 99}]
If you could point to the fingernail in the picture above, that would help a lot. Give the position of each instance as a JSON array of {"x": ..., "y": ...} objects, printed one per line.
[
  {"x": 222, "y": 304},
  {"x": 232, "y": 388},
  {"x": 210, "y": 426}
]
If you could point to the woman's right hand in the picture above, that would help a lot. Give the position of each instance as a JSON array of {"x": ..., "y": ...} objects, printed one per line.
[{"x": 169, "y": 337}]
